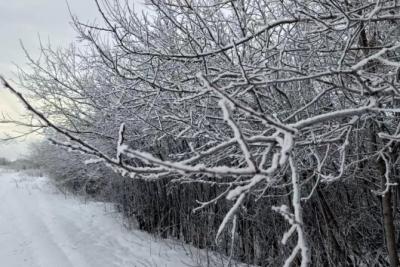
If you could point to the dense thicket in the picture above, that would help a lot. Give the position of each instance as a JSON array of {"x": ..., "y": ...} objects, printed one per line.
[
  {"x": 278, "y": 119},
  {"x": 344, "y": 221}
]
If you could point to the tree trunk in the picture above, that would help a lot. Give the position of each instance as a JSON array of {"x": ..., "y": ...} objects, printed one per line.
[{"x": 388, "y": 221}]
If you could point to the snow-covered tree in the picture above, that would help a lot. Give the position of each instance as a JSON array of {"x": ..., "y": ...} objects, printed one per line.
[{"x": 260, "y": 98}]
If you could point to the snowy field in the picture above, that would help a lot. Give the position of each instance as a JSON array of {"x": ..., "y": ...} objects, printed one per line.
[{"x": 40, "y": 227}]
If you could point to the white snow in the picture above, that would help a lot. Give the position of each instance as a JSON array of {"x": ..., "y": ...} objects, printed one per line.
[{"x": 40, "y": 227}]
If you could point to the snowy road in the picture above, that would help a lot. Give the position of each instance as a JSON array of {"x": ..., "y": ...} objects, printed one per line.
[{"x": 41, "y": 228}]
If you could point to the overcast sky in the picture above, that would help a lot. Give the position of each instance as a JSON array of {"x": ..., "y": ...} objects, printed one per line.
[{"x": 26, "y": 20}]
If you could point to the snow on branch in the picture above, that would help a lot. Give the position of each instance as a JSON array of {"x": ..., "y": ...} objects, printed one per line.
[
  {"x": 227, "y": 107},
  {"x": 377, "y": 55},
  {"x": 296, "y": 221},
  {"x": 121, "y": 146},
  {"x": 256, "y": 179},
  {"x": 388, "y": 184},
  {"x": 336, "y": 115},
  {"x": 229, "y": 216},
  {"x": 265, "y": 118}
]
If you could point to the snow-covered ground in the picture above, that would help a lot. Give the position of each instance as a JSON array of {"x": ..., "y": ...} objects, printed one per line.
[{"x": 40, "y": 227}]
